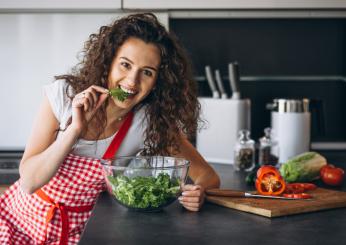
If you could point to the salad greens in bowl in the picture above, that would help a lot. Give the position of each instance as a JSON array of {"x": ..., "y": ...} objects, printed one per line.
[{"x": 145, "y": 183}]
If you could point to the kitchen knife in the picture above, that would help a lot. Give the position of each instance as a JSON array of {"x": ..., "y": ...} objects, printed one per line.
[
  {"x": 220, "y": 84},
  {"x": 211, "y": 82},
  {"x": 233, "y": 73},
  {"x": 234, "y": 193}
]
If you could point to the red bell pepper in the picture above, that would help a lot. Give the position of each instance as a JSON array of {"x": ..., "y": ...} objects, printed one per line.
[
  {"x": 296, "y": 188},
  {"x": 269, "y": 181},
  {"x": 297, "y": 195}
]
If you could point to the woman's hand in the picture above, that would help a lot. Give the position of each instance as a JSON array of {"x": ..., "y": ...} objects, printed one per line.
[
  {"x": 85, "y": 104},
  {"x": 192, "y": 197}
]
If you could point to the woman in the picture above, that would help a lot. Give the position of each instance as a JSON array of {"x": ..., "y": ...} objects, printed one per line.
[{"x": 60, "y": 174}]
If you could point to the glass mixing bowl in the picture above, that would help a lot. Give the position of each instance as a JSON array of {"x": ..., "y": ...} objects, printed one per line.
[{"x": 145, "y": 183}]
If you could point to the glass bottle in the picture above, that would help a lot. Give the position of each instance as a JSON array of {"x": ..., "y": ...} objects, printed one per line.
[
  {"x": 268, "y": 149},
  {"x": 244, "y": 152}
]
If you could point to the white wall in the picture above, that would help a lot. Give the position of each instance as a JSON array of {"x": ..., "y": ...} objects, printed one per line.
[{"x": 33, "y": 48}]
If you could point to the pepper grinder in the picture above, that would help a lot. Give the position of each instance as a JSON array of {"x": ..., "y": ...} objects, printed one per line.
[{"x": 268, "y": 149}]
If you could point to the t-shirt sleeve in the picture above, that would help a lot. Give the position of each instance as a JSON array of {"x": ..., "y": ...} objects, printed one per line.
[{"x": 59, "y": 100}]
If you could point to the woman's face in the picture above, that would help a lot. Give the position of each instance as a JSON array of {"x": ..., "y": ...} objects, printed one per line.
[{"x": 134, "y": 70}]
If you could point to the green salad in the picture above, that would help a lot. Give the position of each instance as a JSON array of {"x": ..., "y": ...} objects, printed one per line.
[
  {"x": 119, "y": 94},
  {"x": 145, "y": 192}
]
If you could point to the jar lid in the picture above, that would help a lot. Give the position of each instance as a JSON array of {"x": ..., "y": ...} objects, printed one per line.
[
  {"x": 268, "y": 138},
  {"x": 244, "y": 137}
]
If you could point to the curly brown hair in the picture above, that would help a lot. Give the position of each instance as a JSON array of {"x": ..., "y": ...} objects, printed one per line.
[{"x": 171, "y": 107}]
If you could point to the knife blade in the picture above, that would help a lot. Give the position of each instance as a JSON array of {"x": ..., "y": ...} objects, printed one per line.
[{"x": 235, "y": 193}]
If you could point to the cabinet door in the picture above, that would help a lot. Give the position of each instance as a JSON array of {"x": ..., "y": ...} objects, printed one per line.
[
  {"x": 60, "y": 4},
  {"x": 233, "y": 4}
]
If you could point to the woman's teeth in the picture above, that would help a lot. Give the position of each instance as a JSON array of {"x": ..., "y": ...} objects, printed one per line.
[{"x": 129, "y": 91}]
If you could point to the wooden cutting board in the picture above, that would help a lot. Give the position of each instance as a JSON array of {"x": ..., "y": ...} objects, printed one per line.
[{"x": 322, "y": 199}]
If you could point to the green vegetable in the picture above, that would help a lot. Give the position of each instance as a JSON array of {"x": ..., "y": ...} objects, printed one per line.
[
  {"x": 252, "y": 176},
  {"x": 302, "y": 168},
  {"x": 145, "y": 192},
  {"x": 119, "y": 94}
]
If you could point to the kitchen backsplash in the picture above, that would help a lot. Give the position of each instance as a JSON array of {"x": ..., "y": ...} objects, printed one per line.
[
  {"x": 278, "y": 58},
  {"x": 328, "y": 95},
  {"x": 266, "y": 47}
]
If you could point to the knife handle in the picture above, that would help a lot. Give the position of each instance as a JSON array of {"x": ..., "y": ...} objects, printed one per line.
[
  {"x": 225, "y": 192},
  {"x": 233, "y": 73},
  {"x": 211, "y": 82}
]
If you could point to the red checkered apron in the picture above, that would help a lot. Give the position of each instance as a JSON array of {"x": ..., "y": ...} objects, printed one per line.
[{"x": 57, "y": 213}]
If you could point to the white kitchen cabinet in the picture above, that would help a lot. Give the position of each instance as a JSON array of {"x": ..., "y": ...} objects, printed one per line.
[
  {"x": 60, "y": 4},
  {"x": 233, "y": 4},
  {"x": 35, "y": 47}
]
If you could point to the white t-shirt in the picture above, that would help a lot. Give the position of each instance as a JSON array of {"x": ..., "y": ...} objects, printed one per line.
[{"x": 62, "y": 109}]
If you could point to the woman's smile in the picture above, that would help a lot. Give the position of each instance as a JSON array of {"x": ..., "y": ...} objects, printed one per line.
[{"x": 128, "y": 90}]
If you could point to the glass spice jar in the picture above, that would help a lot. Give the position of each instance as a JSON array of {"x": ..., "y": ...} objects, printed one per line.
[
  {"x": 268, "y": 149},
  {"x": 244, "y": 152}
]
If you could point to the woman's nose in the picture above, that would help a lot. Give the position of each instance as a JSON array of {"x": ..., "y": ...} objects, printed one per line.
[{"x": 133, "y": 77}]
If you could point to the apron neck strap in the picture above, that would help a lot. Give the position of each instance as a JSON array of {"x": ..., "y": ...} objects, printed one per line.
[{"x": 118, "y": 138}]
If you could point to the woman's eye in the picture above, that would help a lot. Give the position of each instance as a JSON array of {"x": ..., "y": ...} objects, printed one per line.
[
  {"x": 126, "y": 65},
  {"x": 148, "y": 73}
]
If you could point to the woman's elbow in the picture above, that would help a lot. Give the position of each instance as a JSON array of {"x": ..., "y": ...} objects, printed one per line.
[
  {"x": 25, "y": 185},
  {"x": 26, "y": 188}
]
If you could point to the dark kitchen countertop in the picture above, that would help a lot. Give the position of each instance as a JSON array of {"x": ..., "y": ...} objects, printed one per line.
[{"x": 111, "y": 223}]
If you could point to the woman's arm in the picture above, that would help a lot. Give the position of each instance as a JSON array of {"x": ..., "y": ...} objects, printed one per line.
[
  {"x": 200, "y": 171},
  {"x": 43, "y": 155},
  {"x": 202, "y": 174}
]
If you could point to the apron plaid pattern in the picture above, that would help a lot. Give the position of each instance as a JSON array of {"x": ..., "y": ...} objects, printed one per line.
[{"x": 58, "y": 212}]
